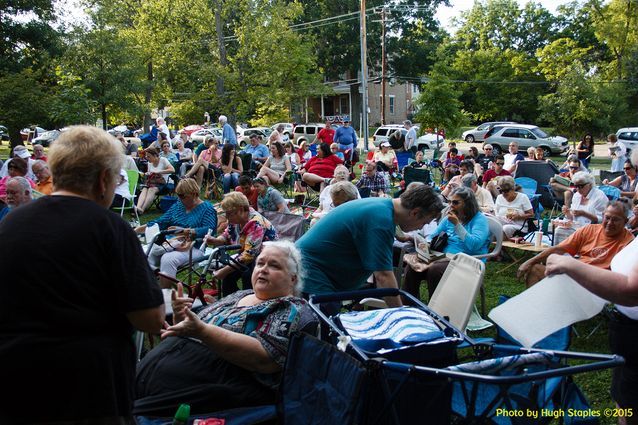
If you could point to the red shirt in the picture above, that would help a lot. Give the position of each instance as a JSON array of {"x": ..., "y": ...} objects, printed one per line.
[
  {"x": 323, "y": 167},
  {"x": 252, "y": 196},
  {"x": 43, "y": 158},
  {"x": 326, "y": 135},
  {"x": 490, "y": 174}
]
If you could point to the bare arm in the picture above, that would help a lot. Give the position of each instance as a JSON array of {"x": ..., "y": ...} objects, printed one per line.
[
  {"x": 386, "y": 279},
  {"x": 614, "y": 287},
  {"x": 148, "y": 320},
  {"x": 538, "y": 259},
  {"x": 241, "y": 350}
]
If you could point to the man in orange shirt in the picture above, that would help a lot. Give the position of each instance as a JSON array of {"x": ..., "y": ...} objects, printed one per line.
[{"x": 595, "y": 244}]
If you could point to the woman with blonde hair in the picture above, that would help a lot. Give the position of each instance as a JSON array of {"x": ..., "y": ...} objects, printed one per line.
[
  {"x": 191, "y": 214},
  {"x": 247, "y": 228},
  {"x": 91, "y": 288}
]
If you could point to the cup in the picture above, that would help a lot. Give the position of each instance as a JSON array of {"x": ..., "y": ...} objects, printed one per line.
[{"x": 539, "y": 239}]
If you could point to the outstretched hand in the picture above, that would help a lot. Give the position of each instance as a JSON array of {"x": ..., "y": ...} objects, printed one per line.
[
  {"x": 191, "y": 326},
  {"x": 180, "y": 304}
]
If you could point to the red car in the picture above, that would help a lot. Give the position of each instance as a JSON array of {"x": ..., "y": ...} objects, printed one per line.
[{"x": 191, "y": 129}]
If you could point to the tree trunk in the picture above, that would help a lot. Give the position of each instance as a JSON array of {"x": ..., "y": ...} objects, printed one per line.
[
  {"x": 103, "y": 108},
  {"x": 147, "y": 96}
]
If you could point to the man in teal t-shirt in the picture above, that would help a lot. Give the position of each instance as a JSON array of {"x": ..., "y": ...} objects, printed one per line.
[{"x": 355, "y": 240}]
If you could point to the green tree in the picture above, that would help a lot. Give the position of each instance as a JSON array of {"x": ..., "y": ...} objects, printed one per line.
[
  {"x": 582, "y": 103},
  {"x": 438, "y": 105}
]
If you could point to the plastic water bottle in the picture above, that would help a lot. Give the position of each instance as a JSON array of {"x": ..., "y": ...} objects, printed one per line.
[{"x": 182, "y": 414}]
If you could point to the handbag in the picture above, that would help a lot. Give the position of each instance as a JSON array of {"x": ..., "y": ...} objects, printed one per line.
[
  {"x": 155, "y": 180},
  {"x": 439, "y": 242}
]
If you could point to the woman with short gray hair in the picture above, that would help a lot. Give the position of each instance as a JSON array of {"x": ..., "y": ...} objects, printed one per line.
[
  {"x": 467, "y": 231},
  {"x": 588, "y": 206}
]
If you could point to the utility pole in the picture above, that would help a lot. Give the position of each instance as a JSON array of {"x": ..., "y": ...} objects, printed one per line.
[
  {"x": 383, "y": 66},
  {"x": 364, "y": 76}
]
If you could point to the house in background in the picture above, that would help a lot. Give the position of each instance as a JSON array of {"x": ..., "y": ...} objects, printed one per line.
[{"x": 346, "y": 100}]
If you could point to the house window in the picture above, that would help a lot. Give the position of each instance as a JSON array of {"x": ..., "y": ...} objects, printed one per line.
[
  {"x": 391, "y": 104},
  {"x": 344, "y": 107}
]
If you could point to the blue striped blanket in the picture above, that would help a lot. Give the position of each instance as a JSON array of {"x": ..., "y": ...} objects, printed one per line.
[{"x": 390, "y": 328}]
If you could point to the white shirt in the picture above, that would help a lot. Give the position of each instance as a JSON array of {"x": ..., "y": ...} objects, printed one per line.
[
  {"x": 519, "y": 205},
  {"x": 622, "y": 263},
  {"x": 122, "y": 188},
  {"x": 597, "y": 203},
  {"x": 162, "y": 165}
]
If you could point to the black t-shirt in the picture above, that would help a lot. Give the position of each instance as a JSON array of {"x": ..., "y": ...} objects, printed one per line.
[
  {"x": 71, "y": 270},
  {"x": 484, "y": 160}
]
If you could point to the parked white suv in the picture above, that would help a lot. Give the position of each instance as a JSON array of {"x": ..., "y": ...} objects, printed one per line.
[{"x": 629, "y": 137}]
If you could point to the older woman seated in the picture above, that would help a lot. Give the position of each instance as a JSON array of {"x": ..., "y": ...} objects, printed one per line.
[
  {"x": 588, "y": 206},
  {"x": 191, "y": 214},
  {"x": 341, "y": 174},
  {"x": 231, "y": 353},
  {"x": 467, "y": 231},
  {"x": 512, "y": 208},
  {"x": 247, "y": 228}
]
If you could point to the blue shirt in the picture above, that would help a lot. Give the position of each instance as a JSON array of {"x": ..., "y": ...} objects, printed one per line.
[
  {"x": 259, "y": 151},
  {"x": 477, "y": 238},
  {"x": 345, "y": 136},
  {"x": 201, "y": 218},
  {"x": 228, "y": 134},
  {"x": 347, "y": 245},
  {"x": 4, "y": 212}
]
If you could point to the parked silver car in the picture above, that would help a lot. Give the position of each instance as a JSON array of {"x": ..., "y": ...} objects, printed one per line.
[
  {"x": 306, "y": 133},
  {"x": 527, "y": 136},
  {"x": 478, "y": 134},
  {"x": 199, "y": 136}
]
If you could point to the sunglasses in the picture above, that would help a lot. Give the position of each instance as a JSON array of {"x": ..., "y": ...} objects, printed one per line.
[
  {"x": 455, "y": 202},
  {"x": 182, "y": 195},
  {"x": 573, "y": 168},
  {"x": 503, "y": 190},
  {"x": 580, "y": 186},
  {"x": 500, "y": 163},
  {"x": 628, "y": 168}
]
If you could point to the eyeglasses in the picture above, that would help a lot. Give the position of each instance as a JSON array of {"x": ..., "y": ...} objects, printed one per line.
[
  {"x": 455, "y": 202},
  {"x": 573, "y": 168},
  {"x": 628, "y": 168},
  {"x": 580, "y": 186},
  {"x": 500, "y": 190},
  {"x": 488, "y": 149},
  {"x": 182, "y": 195}
]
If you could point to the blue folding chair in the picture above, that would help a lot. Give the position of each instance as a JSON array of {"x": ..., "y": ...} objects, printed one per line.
[{"x": 529, "y": 187}]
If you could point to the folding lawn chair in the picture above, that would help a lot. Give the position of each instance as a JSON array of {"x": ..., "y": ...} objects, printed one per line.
[
  {"x": 289, "y": 226},
  {"x": 133, "y": 177},
  {"x": 496, "y": 235},
  {"x": 455, "y": 294}
]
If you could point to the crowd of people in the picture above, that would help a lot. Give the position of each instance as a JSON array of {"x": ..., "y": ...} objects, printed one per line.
[{"x": 89, "y": 303}]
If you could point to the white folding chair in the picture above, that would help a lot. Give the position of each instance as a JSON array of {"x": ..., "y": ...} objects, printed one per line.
[
  {"x": 496, "y": 232},
  {"x": 456, "y": 292}
]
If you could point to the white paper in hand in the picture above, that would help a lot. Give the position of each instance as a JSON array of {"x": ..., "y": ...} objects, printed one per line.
[
  {"x": 553, "y": 303},
  {"x": 150, "y": 232}
]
